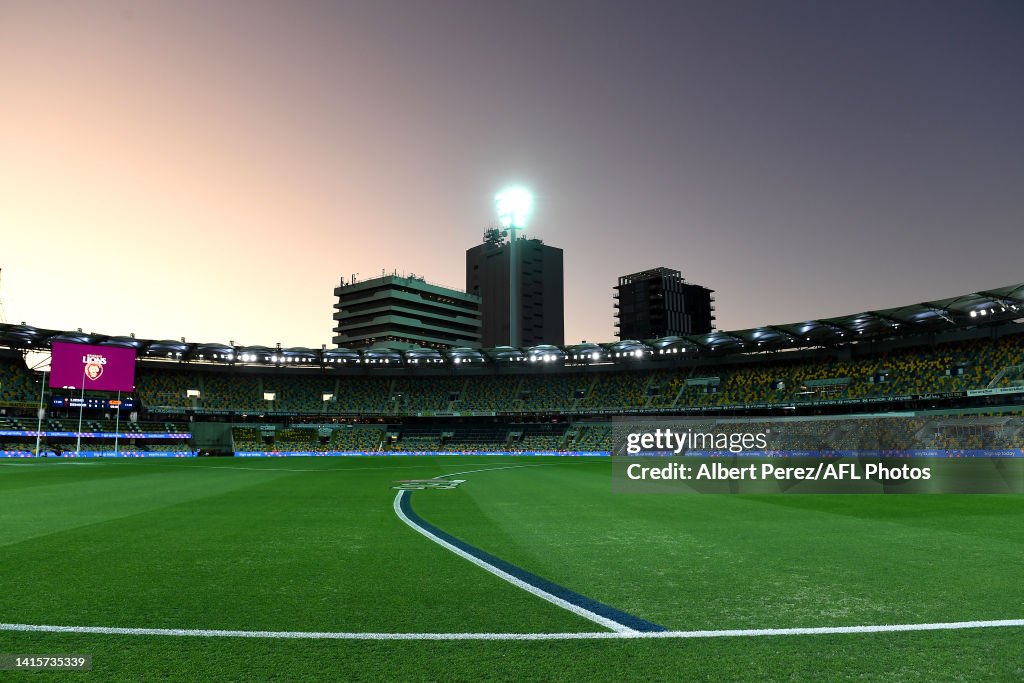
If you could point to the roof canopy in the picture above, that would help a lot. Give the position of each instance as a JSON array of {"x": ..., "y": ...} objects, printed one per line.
[{"x": 969, "y": 310}]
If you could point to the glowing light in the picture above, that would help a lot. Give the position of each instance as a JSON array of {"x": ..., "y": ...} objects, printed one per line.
[{"x": 514, "y": 206}]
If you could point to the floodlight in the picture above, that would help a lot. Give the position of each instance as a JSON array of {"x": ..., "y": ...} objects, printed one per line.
[{"x": 514, "y": 206}]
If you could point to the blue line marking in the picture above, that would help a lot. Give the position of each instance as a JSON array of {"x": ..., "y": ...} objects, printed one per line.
[{"x": 627, "y": 620}]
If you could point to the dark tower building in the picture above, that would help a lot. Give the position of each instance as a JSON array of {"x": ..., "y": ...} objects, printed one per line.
[
  {"x": 541, "y": 301},
  {"x": 660, "y": 303}
]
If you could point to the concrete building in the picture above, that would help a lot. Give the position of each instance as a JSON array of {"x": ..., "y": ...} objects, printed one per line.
[{"x": 404, "y": 312}]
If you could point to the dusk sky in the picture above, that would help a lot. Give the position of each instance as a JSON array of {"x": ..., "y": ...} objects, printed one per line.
[{"x": 211, "y": 169}]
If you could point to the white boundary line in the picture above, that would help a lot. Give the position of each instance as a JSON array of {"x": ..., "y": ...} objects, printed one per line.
[
  {"x": 619, "y": 632},
  {"x": 505, "y": 576},
  {"x": 501, "y": 574},
  {"x": 604, "y": 635}
]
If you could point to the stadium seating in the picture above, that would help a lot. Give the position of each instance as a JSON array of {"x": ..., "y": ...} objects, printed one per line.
[
  {"x": 766, "y": 380},
  {"x": 343, "y": 438},
  {"x": 357, "y": 438},
  {"x": 18, "y": 385},
  {"x": 166, "y": 388},
  {"x": 426, "y": 395},
  {"x": 489, "y": 394},
  {"x": 592, "y": 437},
  {"x": 526, "y": 397}
]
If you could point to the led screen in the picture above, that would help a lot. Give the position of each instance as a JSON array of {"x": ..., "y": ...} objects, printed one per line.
[{"x": 98, "y": 368}]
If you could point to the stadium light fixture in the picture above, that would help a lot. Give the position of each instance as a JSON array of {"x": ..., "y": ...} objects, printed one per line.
[{"x": 514, "y": 206}]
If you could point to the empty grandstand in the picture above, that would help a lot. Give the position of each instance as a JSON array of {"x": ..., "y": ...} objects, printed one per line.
[{"x": 963, "y": 354}]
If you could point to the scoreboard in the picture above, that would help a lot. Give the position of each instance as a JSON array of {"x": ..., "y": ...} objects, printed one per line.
[{"x": 90, "y": 402}]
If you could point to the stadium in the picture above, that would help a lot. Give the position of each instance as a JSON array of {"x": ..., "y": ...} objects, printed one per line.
[
  {"x": 450, "y": 514},
  {"x": 576, "y": 340}
]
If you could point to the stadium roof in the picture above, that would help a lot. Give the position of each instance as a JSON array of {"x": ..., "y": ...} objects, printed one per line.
[
  {"x": 1005, "y": 303},
  {"x": 986, "y": 307}
]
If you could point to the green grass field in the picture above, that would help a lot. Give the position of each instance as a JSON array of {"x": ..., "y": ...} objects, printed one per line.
[{"x": 315, "y": 545}]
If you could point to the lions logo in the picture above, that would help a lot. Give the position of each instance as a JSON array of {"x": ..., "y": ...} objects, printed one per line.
[
  {"x": 93, "y": 371},
  {"x": 94, "y": 363}
]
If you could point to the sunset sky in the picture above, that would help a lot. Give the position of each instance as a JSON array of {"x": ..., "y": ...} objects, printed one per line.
[{"x": 211, "y": 169}]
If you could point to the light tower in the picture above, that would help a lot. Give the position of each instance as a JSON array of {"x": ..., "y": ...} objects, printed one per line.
[{"x": 514, "y": 206}]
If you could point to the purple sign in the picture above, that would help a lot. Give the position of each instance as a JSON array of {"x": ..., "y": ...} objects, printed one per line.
[{"x": 98, "y": 368}]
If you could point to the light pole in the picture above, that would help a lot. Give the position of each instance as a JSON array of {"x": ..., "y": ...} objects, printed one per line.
[
  {"x": 514, "y": 206},
  {"x": 41, "y": 411}
]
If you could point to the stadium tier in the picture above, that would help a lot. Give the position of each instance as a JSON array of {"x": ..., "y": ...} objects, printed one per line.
[
  {"x": 964, "y": 354},
  {"x": 980, "y": 366}
]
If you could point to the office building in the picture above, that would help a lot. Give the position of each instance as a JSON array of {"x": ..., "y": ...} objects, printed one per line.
[
  {"x": 404, "y": 312},
  {"x": 660, "y": 303},
  {"x": 540, "y": 308}
]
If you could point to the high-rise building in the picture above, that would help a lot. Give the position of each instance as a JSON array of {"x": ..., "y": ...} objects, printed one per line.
[
  {"x": 404, "y": 312},
  {"x": 660, "y": 303},
  {"x": 538, "y": 270}
]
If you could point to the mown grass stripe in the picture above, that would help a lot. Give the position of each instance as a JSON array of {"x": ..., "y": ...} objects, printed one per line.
[{"x": 586, "y": 607}]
